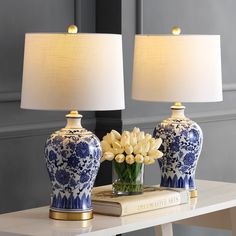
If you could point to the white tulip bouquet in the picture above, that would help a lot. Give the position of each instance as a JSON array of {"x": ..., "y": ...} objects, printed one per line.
[{"x": 129, "y": 152}]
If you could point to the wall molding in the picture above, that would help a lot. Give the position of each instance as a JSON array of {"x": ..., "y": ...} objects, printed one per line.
[
  {"x": 46, "y": 128},
  {"x": 201, "y": 117},
  {"x": 10, "y": 96},
  {"x": 38, "y": 129},
  {"x": 229, "y": 87}
]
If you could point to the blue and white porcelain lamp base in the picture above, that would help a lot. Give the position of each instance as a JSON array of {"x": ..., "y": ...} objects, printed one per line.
[
  {"x": 63, "y": 66},
  {"x": 72, "y": 159},
  {"x": 182, "y": 144}
]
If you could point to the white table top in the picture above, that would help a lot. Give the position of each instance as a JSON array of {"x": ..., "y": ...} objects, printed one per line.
[{"x": 213, "y": 196}]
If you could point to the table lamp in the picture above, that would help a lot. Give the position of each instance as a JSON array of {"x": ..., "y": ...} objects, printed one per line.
[
  {"x": 72, "y": 71},
  {"x": 178, "y": 68}
]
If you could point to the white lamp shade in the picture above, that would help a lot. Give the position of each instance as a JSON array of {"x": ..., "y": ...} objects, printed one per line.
[
  {"x": 73, "y": 72},
  {"x": 181, "y": 68}
]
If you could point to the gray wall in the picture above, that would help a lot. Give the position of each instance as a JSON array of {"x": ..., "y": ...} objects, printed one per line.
[
  {"x": 218, "y": 120},
  {"x": 23, "y": 179}
]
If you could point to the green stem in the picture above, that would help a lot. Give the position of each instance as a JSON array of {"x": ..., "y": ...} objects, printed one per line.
[{"x": 130, "y": 177}]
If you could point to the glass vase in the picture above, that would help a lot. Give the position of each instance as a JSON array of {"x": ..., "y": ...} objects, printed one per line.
[{"x": 130, "y": 178}]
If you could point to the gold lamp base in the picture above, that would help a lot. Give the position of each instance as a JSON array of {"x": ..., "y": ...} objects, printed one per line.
[
  {"x": 193, "y": 193},
  {"x": 70, "y": 216}
]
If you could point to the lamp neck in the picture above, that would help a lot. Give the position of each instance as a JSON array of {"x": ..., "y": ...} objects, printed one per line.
[
  {"x": 73, "y": 120},
  {"x": 177, "y": 111}
]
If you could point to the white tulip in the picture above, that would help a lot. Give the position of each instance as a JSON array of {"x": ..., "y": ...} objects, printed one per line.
[
  {"x": 152, "y": 140},
  {"x": 116, "y": 145},
  {"x": 138, "y": 146},
  {"x": 136, "y": 130},
  {"x": 125, "y": 140},
  {"x": 120, "y": 158},
  {"x": 148, "y": 137},
  {"x": 148, "y": 160},
  {"x": 106, "y": 138},
  {"x": 110, "y": 138},
  {"x": 116, "y": 133},
  {"x": 155, "y": 154},
  {"x": 117, "y": 150},
  {"x": 139, "y": 158},
  {"x": 146, "y": 146},
  {"x": 137, "y": 149},
  {"x": 133, "y": 139},
  {"x": 158, "y": 142},
  {"x": 106, "y": 147},
  {"x": 125, "y": 133},
  {"x": 128, "y": 149},
  {"x": 144, "y": 153},
  {"x": 151, "y": 161},
  {"x": 129, "y": 159},
  {"x": 141, "y": 136},
  {"x": 155, "y": 143},
  {"x": 109, "y": 156}
]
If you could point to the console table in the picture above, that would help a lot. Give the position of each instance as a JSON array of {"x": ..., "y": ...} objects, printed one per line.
[{"x": 215, "y": 207}]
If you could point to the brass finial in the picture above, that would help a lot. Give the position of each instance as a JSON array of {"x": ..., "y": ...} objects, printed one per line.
[
  {"x": 72, "y": 29},
  {"x": 74, "y": 112},
  {"x": 176, "y": 30},
  {"x": 178, "y": 104}
]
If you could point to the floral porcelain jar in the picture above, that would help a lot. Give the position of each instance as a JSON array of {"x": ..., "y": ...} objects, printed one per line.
[
  {"x": 72, "y": 160},
  {"x": 181, "y": 147}
]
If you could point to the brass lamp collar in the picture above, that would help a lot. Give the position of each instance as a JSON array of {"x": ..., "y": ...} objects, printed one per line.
[
  {"x": 74, "y": 114},
  {"x": 178, "y": 106}
]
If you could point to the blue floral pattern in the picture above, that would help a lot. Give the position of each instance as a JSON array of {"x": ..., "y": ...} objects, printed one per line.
[
  {"x": 62, "y": 177},
  {"x": 182, "y": 144},
  {"x": 189, "y": 159},
  {"x": 52, "y": 155},
  {"x": 72, "y": 160},
  {"x": 82, "y": 149}
]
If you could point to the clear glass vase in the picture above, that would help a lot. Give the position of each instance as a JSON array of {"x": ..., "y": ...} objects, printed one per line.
[{"x": 130, "y": 178}]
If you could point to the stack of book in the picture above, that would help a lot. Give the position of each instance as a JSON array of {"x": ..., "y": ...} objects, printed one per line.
[{"x": 153, "y": 198}]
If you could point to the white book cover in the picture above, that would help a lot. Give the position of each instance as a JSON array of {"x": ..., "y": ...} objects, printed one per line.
[{"x": 153, "y": 198}]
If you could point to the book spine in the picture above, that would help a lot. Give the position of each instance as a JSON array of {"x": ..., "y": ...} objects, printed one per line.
[{"x": 167, "y": 200}]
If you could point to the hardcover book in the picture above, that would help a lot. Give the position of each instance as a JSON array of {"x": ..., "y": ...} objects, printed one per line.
[{"x": 153, "y": 198}]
